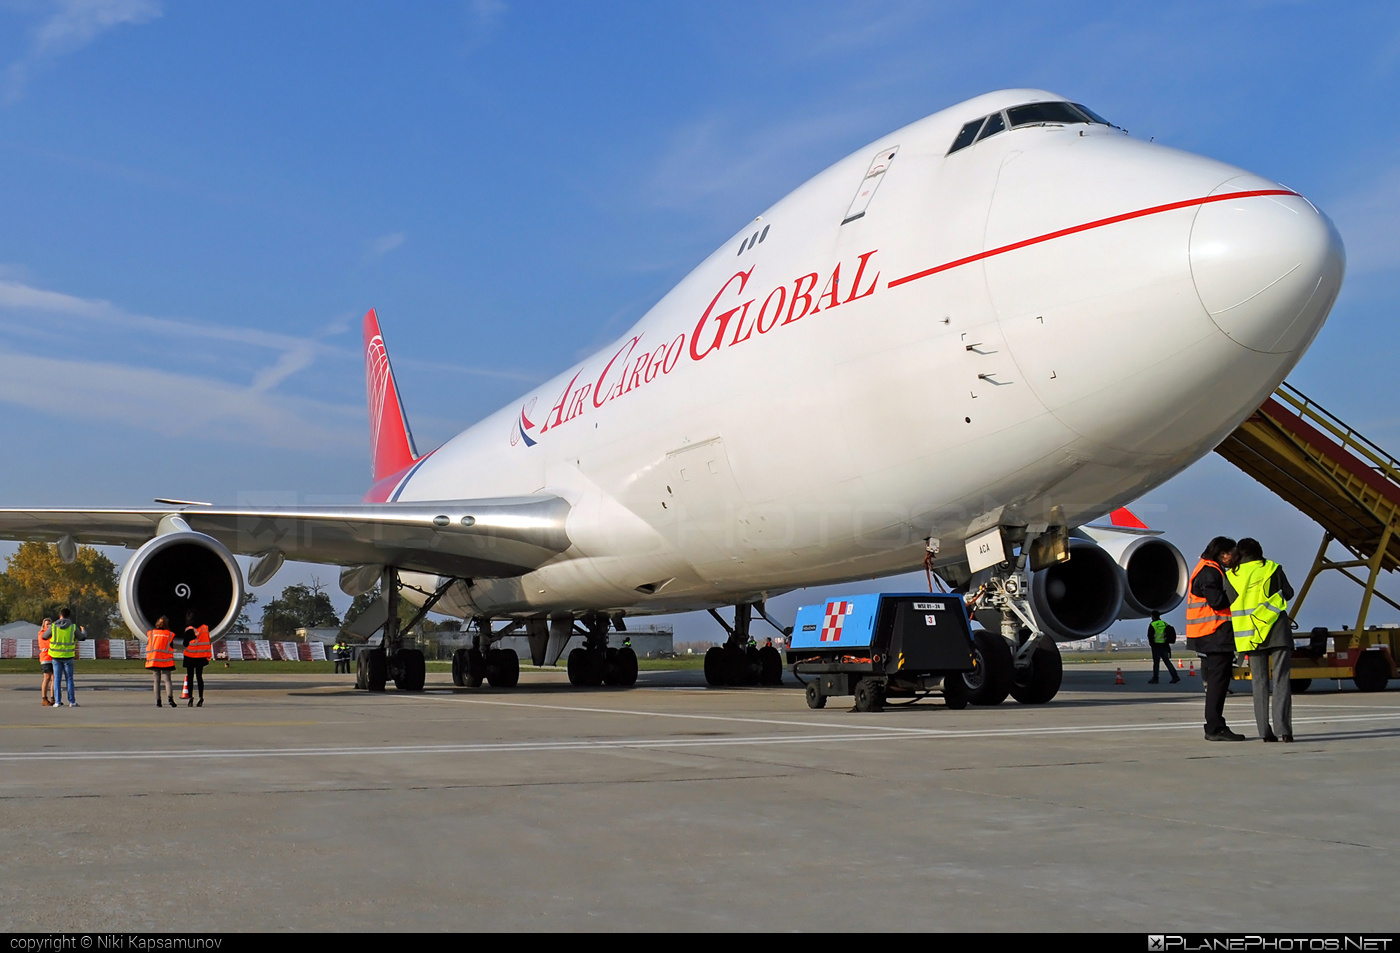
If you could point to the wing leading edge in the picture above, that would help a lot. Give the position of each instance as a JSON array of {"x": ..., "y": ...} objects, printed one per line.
[{"x": 486, "y": 538}]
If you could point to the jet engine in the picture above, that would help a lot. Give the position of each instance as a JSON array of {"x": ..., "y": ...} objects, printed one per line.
[
  {"x": 1154, "y": 572},
  {"x": 176, "y": 573},
  {"x": 1081, "y": 597},
  {"x": 1115, "y": 576}
]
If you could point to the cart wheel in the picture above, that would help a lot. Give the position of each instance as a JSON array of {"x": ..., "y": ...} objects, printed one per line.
[
  {"x": 1299, "y": 685},
  {"x": 955, "y": 692},
  {"x": 868, "y": 696},
  {"x": 1372, "y": 672},
  {"x": 815, "y": 698}
]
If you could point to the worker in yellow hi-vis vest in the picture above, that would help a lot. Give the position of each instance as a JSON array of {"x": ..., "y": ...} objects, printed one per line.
[{"x": 1264, "y": 632}]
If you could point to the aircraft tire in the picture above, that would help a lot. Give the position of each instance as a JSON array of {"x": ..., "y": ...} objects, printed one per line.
[
  {"x": 459, "y": 668},
  {"x": 1372, "y": 672},
  {"x": 771, "y": 666},
  {"x": 503, "y": 670},
  {"x": 625, "y": 669},
  {"x": 414, "y": 671},
  {"x": 743, "y": 665},
  {"x": 716, "y": 668},
  {"x": 475, "y": 669},
  {"x": 577, "y": 663},
  {"x": 990, "y": 682},
  {"x": 610, "y": 672},
  {"x": 815, "y": 698},
  {"x": 376, "y": 669},
  {"x": 1042, "y": 683}
]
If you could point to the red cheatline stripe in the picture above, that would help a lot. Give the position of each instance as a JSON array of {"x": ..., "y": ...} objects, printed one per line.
[{"x": 1126, "y": 216}]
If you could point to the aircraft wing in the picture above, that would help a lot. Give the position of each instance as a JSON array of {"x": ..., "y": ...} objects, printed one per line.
[{"x": 483, "y": 538}]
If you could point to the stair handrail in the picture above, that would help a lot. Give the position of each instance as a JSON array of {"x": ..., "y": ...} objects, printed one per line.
[{"x": 1388, "y": 466}]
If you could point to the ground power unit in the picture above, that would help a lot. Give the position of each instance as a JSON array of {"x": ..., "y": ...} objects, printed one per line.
[{"x": 883, "y": 646}]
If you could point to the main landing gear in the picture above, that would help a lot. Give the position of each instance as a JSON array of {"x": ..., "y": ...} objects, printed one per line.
[
  {"x": 739, "y": 661},
  {"x": 1022, "y": 661},
  {"x": 595, "y": 663},
  {"x": 500, "y": 668},
  {"x": 391, "y": 659}
]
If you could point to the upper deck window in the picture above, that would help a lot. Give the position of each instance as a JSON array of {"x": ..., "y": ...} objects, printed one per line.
[{"x": 1035, "y": 114}]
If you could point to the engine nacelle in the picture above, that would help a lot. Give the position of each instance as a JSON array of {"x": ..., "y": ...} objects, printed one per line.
[
  {"x": 177, "y": 573},
  {"x": 1081, "y": 597},
  {"x": 1154, "y": 572}
]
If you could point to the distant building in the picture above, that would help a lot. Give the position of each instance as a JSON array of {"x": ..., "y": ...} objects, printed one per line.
[
  {"x": 19, "y": 630},
  {"x": 325, "y": 636}
]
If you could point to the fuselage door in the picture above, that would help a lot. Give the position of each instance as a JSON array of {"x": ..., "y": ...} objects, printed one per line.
[{"x": 878, "y": 166}]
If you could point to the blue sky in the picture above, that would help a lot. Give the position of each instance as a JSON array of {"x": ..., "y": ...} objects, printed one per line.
[{"x": 198, "y": 202}]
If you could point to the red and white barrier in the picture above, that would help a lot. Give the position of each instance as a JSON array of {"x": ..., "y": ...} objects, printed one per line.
[{"x": 234, "y": 650}]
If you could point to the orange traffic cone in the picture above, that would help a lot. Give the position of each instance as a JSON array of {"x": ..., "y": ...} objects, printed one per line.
[
  {"x": 185, "y": 692},
  {"x": 1180, "y": 664},
  {"x": 1119, "y": 679},
  {"x": 1192, "y": 673}
]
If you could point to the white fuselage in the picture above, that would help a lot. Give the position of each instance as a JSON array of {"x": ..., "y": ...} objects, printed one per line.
[{"x": 1051, "y": 321}]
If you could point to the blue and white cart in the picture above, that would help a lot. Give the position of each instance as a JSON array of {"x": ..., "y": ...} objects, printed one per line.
[{"x": 883, "y": 645}]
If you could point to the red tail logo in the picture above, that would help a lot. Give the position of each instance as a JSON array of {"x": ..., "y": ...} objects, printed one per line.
[{"x": 390, "y": 441}]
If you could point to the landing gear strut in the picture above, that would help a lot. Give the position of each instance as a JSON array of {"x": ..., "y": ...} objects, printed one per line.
[
  {"x": 500, "y": 668},
  {"x": 595, "y": 663},
  {"x": 391, "y": 660},
  {"x": 1024, "y": 662},
  {"x": 740, "y": 661}
]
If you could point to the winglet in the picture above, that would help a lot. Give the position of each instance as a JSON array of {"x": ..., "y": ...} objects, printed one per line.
[{"x": 390, "y": 441}]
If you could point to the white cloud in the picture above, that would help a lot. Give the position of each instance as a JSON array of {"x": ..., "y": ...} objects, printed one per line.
[
  {"x": 709, "y": 166},
  {"x": 384, "y": 244},
  {"x": 175, "y": 405},
  {"x": 18, "y": 296},
  {"x": 72, "y": 25}
]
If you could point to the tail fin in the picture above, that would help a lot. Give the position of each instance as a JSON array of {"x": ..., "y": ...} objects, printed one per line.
[{"x": 390, "y": 441}]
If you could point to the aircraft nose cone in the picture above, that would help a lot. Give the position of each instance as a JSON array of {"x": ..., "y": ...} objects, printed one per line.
[{"x": 1266, "y": 267}]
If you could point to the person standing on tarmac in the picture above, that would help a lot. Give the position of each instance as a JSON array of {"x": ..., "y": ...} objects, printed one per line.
[
  {"x": 63, "y": 648},
  {"x": 1161, "y": 636},
  {"x": 45, "y": 665},
  {"x": 1210, "y": 632},
  {"x": 198, "y": 652},
  {"x": 160, "y": 657},
  {"x": 1264, "y": 632}
]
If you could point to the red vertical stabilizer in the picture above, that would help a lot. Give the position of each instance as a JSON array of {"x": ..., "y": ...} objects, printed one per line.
[{"x": 390, "y": 441}]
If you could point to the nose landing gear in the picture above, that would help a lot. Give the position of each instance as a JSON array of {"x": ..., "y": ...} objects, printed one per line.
[{"x": 1023, "y": 662}]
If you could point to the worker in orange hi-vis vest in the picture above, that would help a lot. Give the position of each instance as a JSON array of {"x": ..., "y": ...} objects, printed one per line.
[
  {"x": 45, "y": 665},
  {"x": 1210, "y": 631},
  {"x": 198, "y": 652},
  {"x": 160, "y": 657}
]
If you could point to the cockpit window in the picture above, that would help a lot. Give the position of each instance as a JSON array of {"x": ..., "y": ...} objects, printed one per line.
[
  {"x": 1091, "y": 114},
  {"x": 966, "y": 136},
  {"x": 995, "y": 124},
  {"x": 1033, "y": 114}
]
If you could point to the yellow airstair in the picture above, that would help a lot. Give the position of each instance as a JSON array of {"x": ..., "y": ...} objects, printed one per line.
[{"x": 1351, "y": 487}]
